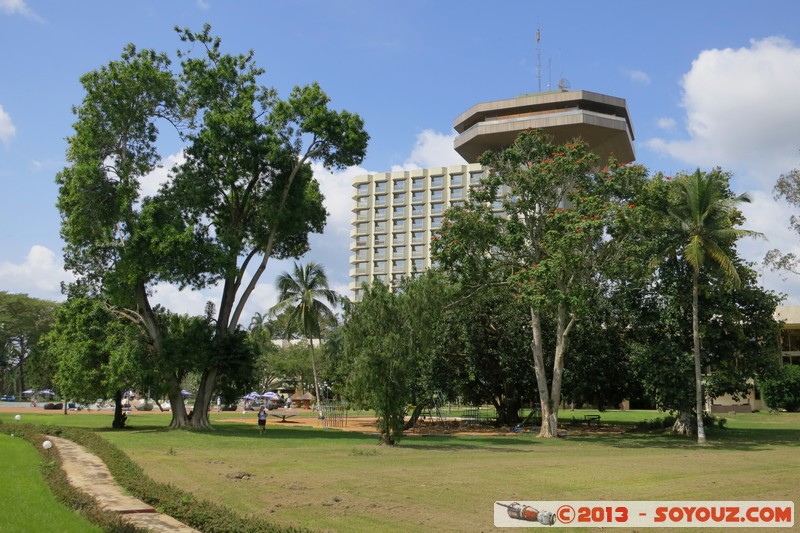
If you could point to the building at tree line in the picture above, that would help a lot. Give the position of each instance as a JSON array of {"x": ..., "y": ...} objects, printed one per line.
[{"x": 396, "y": 214}]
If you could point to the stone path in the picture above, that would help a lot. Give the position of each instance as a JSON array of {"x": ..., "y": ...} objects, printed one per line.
[{"x": 88, "y": 473}]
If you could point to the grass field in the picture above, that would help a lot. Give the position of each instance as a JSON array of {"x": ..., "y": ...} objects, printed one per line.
[
  {"x": 27, "y": 504},
  {"x": 331, "y": 480}
]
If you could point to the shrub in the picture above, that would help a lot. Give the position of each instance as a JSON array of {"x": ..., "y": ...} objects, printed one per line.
[{"x": 783, "y": 391}]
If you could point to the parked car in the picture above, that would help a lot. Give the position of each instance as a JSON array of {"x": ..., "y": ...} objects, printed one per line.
[{"x": 8, "y": 398}]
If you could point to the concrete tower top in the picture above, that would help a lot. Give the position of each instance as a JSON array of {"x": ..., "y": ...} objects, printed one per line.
[{"x": 600, "y": 120}]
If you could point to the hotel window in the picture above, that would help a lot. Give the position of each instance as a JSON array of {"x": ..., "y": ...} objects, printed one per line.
[
  {"x": 400, "y": 198},
  {"x": 456, "y": 179},
  {"x": 418, "y": 197},
  {"x": 357, "y": 294},
  {"x": 398, "y": 225},
  {"x": 437, "y": 209},
  {"x": 417, "y": 250},
  {"x": 361, "y": 241},
  {"x": 437, "y": 181},
  {"x": 399, "y": 185},
  {"x": 380, "y": 253},
  {"x": 397, "y": 278},
  {"x": 436, "y": 222},
  {"x": 417, "y": 223},
  {"x": 399, "y": 211},
  {"x": 360, "y": 279},
  {"x": 362, "y": 228},
  {"x": 363, "y": 188},
  {"x": 419, "y": 264},
  {"x": 398, "y": 251},
  {"x": 380, "y": 212},
  {"x": 399, "y": 238},
  {"x": 418, "y": 237},
  {"x": 379, "y": 266},
  {"x": 381, "y": 278},
  {"x": 380, "y": 239},
  {"x": 456, "y": 204},
  {"x": 380, "y": 186},
  {"x": 417, "y": 183},
  {"x": 417, "y": 210},
  {"x": 380, "y": 227},
  {"x": 399, "y": 264},
  {"x": 361, "y": 255},
  {"x": 475, "y": 178},
  {"x": 456, "y": 193},
  {"x": 380, "y": 199},
  {"x": 436, "y": 196}
]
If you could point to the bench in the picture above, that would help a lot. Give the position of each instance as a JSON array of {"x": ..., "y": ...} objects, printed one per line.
[{"x": 591, "y": 419}]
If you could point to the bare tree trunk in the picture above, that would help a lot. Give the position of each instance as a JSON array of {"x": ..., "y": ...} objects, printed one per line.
[
  {"x": 698, "y": 375},
  {"x": 316, "y": 381},
  {"x": 203, "y": 400},
  {"x": 119, "y": 416},
  {"x": 549, "y": 423},
  {"x": 177, "y": 407}
]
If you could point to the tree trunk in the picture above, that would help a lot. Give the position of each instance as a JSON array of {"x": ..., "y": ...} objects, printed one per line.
[
  {"x": 549, "y": 423},
  {"x": 316, "y": 381},
  {"x": 202, "y": 402},
  {"x": 683, "y": 424},
  {"x": 427, "y": 402},
  {"x": 698, "y": 375},
  {"x": 178, "y": 409},
  {"x": 119, "y": 416}
]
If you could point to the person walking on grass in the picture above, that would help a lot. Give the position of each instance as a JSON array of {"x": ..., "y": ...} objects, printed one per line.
[{"x": 262, "y": 419}]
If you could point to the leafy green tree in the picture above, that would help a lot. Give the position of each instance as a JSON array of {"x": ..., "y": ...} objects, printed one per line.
[
  {"x": 23, "y": 321},
  {"x": 376, "y": 337},
  {"x": 244, "y": 194},
  {"x": 98, "y": 354},
  {"x": 783, "y": 390},
  {"x": 559, "y": 221},
  {"x": 484, "y": 351},
  {"x": 706, "y": 217},
  {"x": 305, "y": 296},
  {"x": 788, "y": 188}
]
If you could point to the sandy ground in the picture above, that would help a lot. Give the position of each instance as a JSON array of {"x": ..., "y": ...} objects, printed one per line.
[{"x": 362, "y": 424}]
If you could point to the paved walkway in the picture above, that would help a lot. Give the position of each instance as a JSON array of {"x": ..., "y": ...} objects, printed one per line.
[{"x": 88, "y": 473}]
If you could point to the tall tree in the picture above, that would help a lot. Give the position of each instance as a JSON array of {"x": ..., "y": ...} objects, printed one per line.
[
  {"x": 544, "y": 221},
  {"x": 23, "y": 321},
  {"x": 305, "y": 296},
  {"x": 788, "y": 188},
  {"x": 706, "y": 215},
  {"x": 376, "y": 342},
  {"x": 244, "y": 194}
]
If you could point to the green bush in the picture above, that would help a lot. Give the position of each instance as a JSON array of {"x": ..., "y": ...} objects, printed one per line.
[{"x": 783, "y": 391}]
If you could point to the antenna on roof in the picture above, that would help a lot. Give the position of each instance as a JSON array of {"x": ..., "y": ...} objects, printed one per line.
[{"x": 538, "y": 59}]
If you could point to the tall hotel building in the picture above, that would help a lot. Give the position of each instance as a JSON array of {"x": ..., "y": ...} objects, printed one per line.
[{"x": 395, "y": 214}]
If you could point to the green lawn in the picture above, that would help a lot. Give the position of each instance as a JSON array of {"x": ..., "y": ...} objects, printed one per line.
[
  {"x": 341, "y": 481},
  {"x": 27, "y": 504}
]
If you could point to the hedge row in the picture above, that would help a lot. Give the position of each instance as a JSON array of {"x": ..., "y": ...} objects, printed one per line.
[
  {"x": 206, "y": 516},
  {"x": 56, "y": 479}
]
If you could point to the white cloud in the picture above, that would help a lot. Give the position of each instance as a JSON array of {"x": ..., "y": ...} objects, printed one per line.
[
  {"x": 638, "y": 76},
  {"x": 203, "y": 5},
  {"x": 741, "y": 110},
  {"x": 152, "y": 181},
  {"x": 40, "y": 275},
  {"x": 666, "y": 123},
  {"x": 432, "y": 149},
  {"x": 7, "y": 129},
  {"x": 12, "y": 7}
]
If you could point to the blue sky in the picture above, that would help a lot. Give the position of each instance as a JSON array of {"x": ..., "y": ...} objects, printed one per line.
[{"x": 712, "y": 83}]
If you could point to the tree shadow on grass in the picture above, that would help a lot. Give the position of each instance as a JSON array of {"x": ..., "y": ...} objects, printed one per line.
[{"x": 718, "y": 439}]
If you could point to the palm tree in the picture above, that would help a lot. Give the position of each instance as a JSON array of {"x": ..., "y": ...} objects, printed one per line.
[
  {"x": 706, "y": 214},
  {"x": 304, "y": 296}
]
